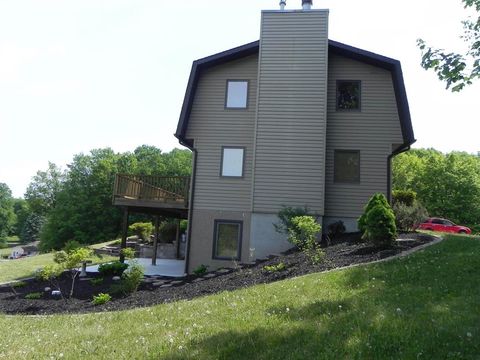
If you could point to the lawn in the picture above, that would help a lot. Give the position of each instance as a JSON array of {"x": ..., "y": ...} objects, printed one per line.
[
  {"x": 424, "y": 306},
  {"x": 25, "y": 267}
]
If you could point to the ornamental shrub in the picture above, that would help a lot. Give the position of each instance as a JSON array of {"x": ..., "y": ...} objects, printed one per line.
[
  {"x": 408, "y": 216},
  {"x": 303, "y": 233},
  {"x": 406, "y": 197},
  {"x": 115, "y": 268},
  {"x": 131, "y": 279},
  {"x": 200, "y": 270},
  {"x": 380, "y": 226},
  {"x": 285, "y": 215},
  {"x": 101, "y": 299},
  {"x": 142, "y": 230},
  {"x": 376, "y": 199},
  {"x": 34, "y": 296},
  {"x": 336, "y": 229}
]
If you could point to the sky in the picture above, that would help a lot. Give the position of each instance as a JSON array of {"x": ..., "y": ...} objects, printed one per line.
[{"x": 79, "y": 75}]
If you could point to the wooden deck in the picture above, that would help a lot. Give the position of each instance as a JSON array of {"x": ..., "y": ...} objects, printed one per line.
[{"x": 166, "y": 195}]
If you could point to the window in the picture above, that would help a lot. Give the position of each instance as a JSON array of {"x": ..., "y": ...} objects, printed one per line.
[
  {"x": 347, "y": 166},
  {"x": 237, "y": 94},
  {"x": 227, "y": 239},
  {"x": 348, "y": 95},
  {"x": 232, "y": 161}
]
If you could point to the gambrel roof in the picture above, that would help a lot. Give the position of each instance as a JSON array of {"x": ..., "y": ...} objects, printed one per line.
[{"x": 334, "y": 47}]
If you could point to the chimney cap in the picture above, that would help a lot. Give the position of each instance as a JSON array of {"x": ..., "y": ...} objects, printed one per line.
[{"x": 307, "y": 4}]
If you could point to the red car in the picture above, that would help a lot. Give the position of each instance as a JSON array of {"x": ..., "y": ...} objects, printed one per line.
[{"x": 443, "y": 225}]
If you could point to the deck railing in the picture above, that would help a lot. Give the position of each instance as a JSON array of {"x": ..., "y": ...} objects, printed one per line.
[{"x": 152, "y": 188}]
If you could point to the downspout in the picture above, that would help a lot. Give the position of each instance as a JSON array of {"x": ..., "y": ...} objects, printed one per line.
[
  {"x": 402, "y": 148},
  {"x": 190, "y": 205}
]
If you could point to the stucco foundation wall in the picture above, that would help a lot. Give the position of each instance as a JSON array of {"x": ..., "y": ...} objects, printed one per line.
[
  {"x": 263, "y": 237},
  {"x": 201, "y": 243},
  {"x": 350, "y": 223}
]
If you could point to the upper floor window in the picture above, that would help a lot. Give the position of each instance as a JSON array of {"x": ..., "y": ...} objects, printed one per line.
[
  {"x": 348, "y": 95},
  {"x": 232, "y": 161},
  {"x": 347, "y": 166},
  {"x": 237, "y": 94}
]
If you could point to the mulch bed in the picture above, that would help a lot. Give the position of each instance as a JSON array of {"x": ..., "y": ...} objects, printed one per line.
[{"x": 157, "y": 290}]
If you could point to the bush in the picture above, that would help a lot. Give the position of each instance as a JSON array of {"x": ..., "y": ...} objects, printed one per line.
[
  {"x": 18, "y": 284},
  {"x": 71, "y": 245},
  {"x": 142, "y": 230},
  {"x": 336, "y": 229},
  {"x": 380, "y": 226},
  {"x": 406, "y": 217},
  {"x": 101, "y": 299},
  {"x": 115, "y": 268},
  {"x": 303, "y": 233},
  {"x": 406, "y": 197},
  {"x": 285, "y": 215},
  {"x": 377, "y": 199},
  {"x": 131, "y": 279},
  {"x": 34, "y": 296},
  {"x": 275, "y": 268},
  {"x": 200, "y": 270},
  {"x": 96, "y": 281},
  {"x": 128, "y": 253}
]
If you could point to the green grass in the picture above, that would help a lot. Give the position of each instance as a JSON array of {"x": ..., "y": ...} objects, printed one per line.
[
  {"x": 421, "y": 307},
  {"x": 25, "y": 267}
]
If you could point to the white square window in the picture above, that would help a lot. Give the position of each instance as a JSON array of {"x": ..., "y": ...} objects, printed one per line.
[
  {"x": 232, "y": 162},
  {"x": 237, "y": 94}
]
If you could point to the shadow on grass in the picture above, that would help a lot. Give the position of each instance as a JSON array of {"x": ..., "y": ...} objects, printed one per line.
[{"x": 422, "y": 307}]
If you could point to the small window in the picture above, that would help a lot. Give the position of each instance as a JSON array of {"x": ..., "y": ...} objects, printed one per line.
[
  {"x": 232, "y": 161},
  {"x": 348, "y": 95},
  {"x": 227, "y": 240},
  {"x": 237, "y": 94},
  {"x": 347, "y": 166}
]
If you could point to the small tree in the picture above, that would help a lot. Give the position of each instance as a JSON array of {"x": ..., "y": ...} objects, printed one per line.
[
  {"x": 380, "y": 226},
  {"x": 71, "y": 261},
  {"x": 376, "y": 199},
  {"x": 303, "y": 233}
]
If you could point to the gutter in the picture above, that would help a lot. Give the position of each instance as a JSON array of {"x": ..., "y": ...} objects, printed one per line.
[
  {"x": 190, "y": 204},
  {"x": 401, "y": 149}
]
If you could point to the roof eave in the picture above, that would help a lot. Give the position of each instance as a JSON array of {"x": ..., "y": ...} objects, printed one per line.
[{"x": 335, "y": 47}]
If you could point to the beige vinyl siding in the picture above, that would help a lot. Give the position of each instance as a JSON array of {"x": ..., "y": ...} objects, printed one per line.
[
  {"x": 212, "y": 126},
  {"x": 290, "y": 129},
  {"x": 372, "y": 130}
]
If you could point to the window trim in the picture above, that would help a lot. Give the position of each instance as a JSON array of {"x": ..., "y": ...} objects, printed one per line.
[
  {"x": 335, "y": 180},
  {"x": 243, "y": 162},
  {"x": 216, "y": 223},
  {"x": 359, "y": 96},
  {"x": 226, "y": 95}
]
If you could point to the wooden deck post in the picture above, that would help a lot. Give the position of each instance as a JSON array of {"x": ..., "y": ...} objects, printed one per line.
[
  {"x": 123, "y": 244},
  {"x": 155, "y": 240},
  {"x": 177, "y": 238}
]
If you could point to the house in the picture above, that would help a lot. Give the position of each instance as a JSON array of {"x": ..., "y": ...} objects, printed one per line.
[{"x": 294, "y": 119}]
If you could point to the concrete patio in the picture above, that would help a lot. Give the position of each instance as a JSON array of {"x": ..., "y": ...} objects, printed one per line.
[{"x": 164, "y": 267}]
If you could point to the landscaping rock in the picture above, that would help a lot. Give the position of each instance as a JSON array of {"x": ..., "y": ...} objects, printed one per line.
[
  {"x": 210, "y": 275},
  {"x": 116, "y": 278}
]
